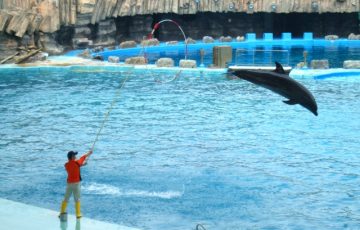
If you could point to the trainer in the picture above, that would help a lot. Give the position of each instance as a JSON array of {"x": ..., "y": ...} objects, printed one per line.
[{"x": 73, "y": 180}]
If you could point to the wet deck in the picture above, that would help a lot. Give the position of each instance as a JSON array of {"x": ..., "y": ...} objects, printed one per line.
[{"x": 16, "y": 216}]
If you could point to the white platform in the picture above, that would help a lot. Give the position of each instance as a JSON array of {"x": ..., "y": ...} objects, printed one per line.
[
  {"x": 267, "y": 68},
  {"x": 18, "y": 216},
  {"x": 324, "y": 73}
]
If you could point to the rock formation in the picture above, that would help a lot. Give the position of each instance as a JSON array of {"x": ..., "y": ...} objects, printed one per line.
[
  {"x": 351, "y": 64},
  {"x": 165, "y": 62},
  {"x": 320, "y": 64},
  {"x": 56, "y": 25}
]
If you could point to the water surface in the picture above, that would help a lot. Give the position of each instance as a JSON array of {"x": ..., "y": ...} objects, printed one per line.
[{"x": 200, "y": 149}]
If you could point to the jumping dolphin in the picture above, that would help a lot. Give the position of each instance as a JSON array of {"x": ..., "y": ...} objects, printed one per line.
[{"x": 279, "y": 82}]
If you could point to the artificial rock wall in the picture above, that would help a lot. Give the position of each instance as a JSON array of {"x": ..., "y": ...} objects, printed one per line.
[{"x": 55, "y": 25}]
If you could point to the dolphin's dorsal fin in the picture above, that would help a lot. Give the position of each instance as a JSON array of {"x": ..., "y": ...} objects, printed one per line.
[
  {"x": 279, "y": 68},
  {"x": 290, "y": 102}
]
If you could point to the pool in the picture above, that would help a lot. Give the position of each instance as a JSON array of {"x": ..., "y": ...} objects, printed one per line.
[{"x": 199, "y": 149}]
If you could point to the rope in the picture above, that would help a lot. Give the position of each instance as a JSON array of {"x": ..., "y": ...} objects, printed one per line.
[
  {"x": 200, "y": 227},
  {"x": 108, "y": 113},
  {"x": 157, "y": 25},
  {"x": 173, "y": 79},
  {"x": 177, "y": 75},
  {"x": 123, "y": 83},
  {"x": 151, "y": 35}
]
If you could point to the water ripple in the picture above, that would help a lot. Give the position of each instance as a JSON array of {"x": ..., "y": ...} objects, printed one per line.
[{"x": 200, "y": 148}]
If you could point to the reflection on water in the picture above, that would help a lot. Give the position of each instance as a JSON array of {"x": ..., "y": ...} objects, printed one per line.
[{"x": 64, "y": 225}]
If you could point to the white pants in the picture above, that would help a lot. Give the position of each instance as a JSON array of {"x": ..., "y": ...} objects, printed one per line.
[{"x": 72, "y": 188}]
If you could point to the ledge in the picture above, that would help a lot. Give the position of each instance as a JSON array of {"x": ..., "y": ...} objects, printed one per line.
[
  {"x": 15, "y": 215},
  {"x": 74, "y": 64},
  {"x": 324, "y": 73}
]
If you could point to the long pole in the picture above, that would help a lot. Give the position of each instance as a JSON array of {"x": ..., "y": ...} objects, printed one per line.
[{"x": 108, "y": 113}]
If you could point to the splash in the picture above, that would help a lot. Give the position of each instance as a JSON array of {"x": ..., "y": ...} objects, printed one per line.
[{"x": 106, "y": 189}]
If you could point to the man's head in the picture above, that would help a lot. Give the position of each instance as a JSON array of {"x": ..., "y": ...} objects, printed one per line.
[{"x": 71, "y": 155}]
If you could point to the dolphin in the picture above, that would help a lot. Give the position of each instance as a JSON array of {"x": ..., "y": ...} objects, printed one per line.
[{"x": 279, "y": 82}]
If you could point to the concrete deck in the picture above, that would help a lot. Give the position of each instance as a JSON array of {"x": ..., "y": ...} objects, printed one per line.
[
  {"x": 18, "y": 216},
  {"x": 68, "y": 64}
]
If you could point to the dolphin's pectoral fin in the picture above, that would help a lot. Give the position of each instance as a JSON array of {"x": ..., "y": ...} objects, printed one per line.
[{"x": 290, "y": 102}]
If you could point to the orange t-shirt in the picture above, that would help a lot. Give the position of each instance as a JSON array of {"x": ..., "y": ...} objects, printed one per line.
[{"x": 73, "y": 169}]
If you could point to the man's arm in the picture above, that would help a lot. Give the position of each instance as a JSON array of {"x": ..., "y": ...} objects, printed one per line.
[{"x": 82, "y": 159}]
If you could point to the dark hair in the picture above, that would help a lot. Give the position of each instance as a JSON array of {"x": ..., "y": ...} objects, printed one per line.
[{"x": 71, "y": 154}]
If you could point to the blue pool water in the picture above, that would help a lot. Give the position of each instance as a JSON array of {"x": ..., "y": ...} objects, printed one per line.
[{"x": 199, "y": 149}]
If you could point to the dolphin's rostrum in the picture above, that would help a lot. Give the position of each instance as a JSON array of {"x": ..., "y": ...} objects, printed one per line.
[{"x": 279, "y": 82}]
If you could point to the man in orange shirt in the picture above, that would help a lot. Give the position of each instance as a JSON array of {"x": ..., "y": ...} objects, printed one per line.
[{"x": 73, "y": 181}]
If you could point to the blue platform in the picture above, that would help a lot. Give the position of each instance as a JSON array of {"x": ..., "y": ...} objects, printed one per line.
[{"x": 250, "y": 42}]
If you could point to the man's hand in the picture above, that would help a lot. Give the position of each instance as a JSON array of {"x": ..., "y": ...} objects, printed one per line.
[{"x": 89, "y": 153}]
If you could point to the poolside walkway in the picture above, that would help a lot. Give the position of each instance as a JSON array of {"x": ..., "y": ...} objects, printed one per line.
[
  {"x": 18, "y": 216},
  {"x": 76, "y": 64},
  {"x": 68, "y": 64}
]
